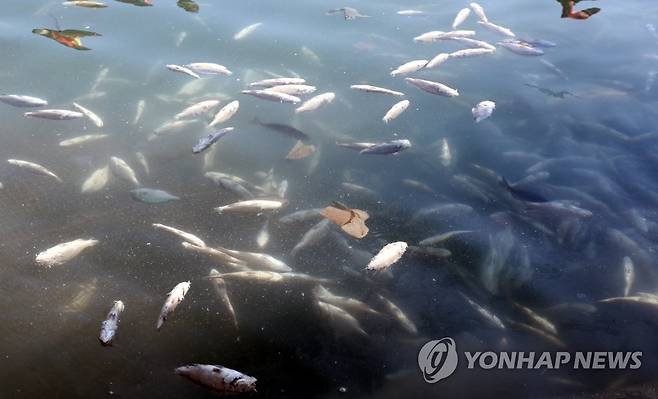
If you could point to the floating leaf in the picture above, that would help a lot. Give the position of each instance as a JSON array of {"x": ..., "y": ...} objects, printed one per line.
[
  {"x": 188, "y": 5},
  {"x": 69, "y": 38},
  {"x": 300, "y": 151},
  {"x": 352, "y": 221}
]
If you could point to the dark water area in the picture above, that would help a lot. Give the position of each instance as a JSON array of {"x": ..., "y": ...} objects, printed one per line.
[{"x": 573, "y": 133}]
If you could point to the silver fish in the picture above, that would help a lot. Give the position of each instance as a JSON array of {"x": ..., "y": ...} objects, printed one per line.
[
  {"x": 139, "y": 111},
  {"x": 121, "y": 169},
  {"x": 97, "y": 180},
  {"x": 81, "y": 139},
  {"x": 64, "y": 252},
  {"x": 197, "y": 109},
  {"x": 397, "y": 313},
  {"x": 461, "y": 16},
  {"x": 409, "y": 67},
  {"x": 497, "y": 29},
  {"x": 472, "y": 52},
  {"x": 273, "y": 96},
  {"x": 219, "y": 285},
  {"x": 435, "y": 35},
  {"x": 293, "y": 90},
  {"x": 316, "y": 102},
  {"x": 225, "y": 113},
  {"x": 479, "y": 11},
  {"x": 439, "y": 238},
  {"x": 277, "y": 82},
  {"x": 521, "y": 48},
  {"x": 340, "y": 319},
  {"x": 473, "y": 43},
  {"x": 191, "y": 238},
  {"x": 55, "y": 114},
  {"x": 387, "y": 256},
  {"x": 110, "y": 325},
  {"x": 95, "y": 119},
  {"x": 396, "y": 110},
  {"x": 211, "y": 139},
  {"x": 142, "y": 160},
  {"x": 152, "y": 196},
  {"x": 629, "y": 274},
  {"x": 312, "y": 237},
  {"x": 251, "y": 206},
  {"x": 34, "y": 168},
  {"x": 222, "y": 380},
  {"x": 437, "y": 60},
  {"x": 208, "y": 68},
  {"x": 433, "y": 87},
  {"x": 182, "y": 69},
  {"x": 174, "y": 298},
  {"x": 349, "y": 13},
  {"x": 246, "y": 31},
  {"x": 22, "y": 101},
  {"x": 388, "y": 148},
  {"x": 483, "y": 110},
  {"x": 375, "y": 89}
]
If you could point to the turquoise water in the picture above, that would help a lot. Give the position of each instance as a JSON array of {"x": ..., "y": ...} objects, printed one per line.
[{"x": 597, "y": 142}]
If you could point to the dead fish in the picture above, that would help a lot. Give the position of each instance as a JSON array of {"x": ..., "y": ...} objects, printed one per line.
[
  {"x": 553, "y": 68},
  {"x": 497, "y": 29},
  {"x": 409, "y": 67},
  {"x": 252, "y": 206},
  {"x": 219, "y": 286},
  {"x": 483, "y": 110},
  {"x": 85, "y": 3},
  {"x": 97, "y": 180},
  {"x": 396, "y": 110},
  {"x": 34, "y": 168},
  {"x": 182, "y": 69},
  {"x": 411, "y": 13},
  {"x": 304, "y": 215},
  {"x": 258, "y": 260},
  {"x": 491, "y": 318},
  {"x": 231, "y": 185},
  {"x": 349, "y": 13},
  {"x": 392, "y": 147},
  {"x": 246, "y": 31},
  {"x": 95, "y": 119},
  {"x": 293, "y": 90},
  {"x": 277, "y": 82},
  {"x": 312, "y": 237},
  {"x": 110, "y": 325},
  {"x": 387, "y": 256},
  {"x": 438, "y": 253},
  {"x": 211, "y": 139},
  {"x": 435, "y": 35},
  {"x": 439, "y": 238},
  {"x": 81, "y": 139},
  {"x": 197, "y": 109},
  {"x": 191, "y": 238},
  {"x": 472, "y": 43},
  {"x": 479, "y": 11},
  {"x": 174, "y": 298},
  {"x": 55, "y": 114},
  {"x": 225, "y": 113},
  {"x": 521, "y": 48},
  {"x": 437, "y": 60},
  {"x": 629, "y": 274},
  {"x": 356, "y": 146},
  {"x": 225, "y": 259},
  {"x": 284, "y": 129},
  {"x": 260, "y": 276},
  {"x": 445, "y": 154},
  {"x": 350, "y": 305},
  {"x": 64, "y": 252},
  {"x": 538, "y": 320},
  {"x": 139, "y": 111},
  {"x": 472, "y": 52},
  {"x": 222, "y": 380},
  {"x": 300, "y": 151},
  {"x": 208, "y": 68},
  {"x": 433, "y": 87},
  {"x": 461, "y": 16},
  {"x": 121, "y": 170},
  {"x": 142, "y": 160},
  {"x": 397, "y": 313},
  {"x": 273, "y": 96},
  {"x": 351, "y": 221},
  {"x": 375, "y": 89},
  {"x": 22, "y": 101},
  {"x": 263, "y": 236},
  {"x": 340, "y": 319},
  {"x": 152, "y": 196}
]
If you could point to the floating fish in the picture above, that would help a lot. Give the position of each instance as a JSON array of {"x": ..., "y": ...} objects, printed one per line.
[
  {"x": 197, "y": 109},
  {"x": 472, "y": 52},
  {"x": 387, "y": 256},
  {"x": 34, "y": 168},
  {"x": 433, "y": 87},
  {"x": 375, "y": 89},
  {"x": 138, "y": 3},
  {"x": 483, "y": 110},
  {"x": 246, "y": 31},
  {"x": 110, "y": 325},
  {"x": 397, "y": 313},
  {"x": 409, "y": 67},
  {"x": 219, "y": 379},
  {"x": 349, "y": 13},
  {"x": 97, "y": 180},
  {"x": 351, "y": 221},
  {"x": 121, "y": 170},
  {"x": 263, "y": 236},
  {"x": 252, "y": 206},
  {"x": 629, "y": 274},
  {"x": 64, "y": 252},
  {"x": 22, "y": 101},
  {"x": 96, "y": 120},
  {"x": 69, "y": 37},
  {"x": 411, "y": 13},
  {"x": 340, "y": 319},
  {"x": 85, "y": 3},
  {"x": 293, "y": 90},
  {"x": 472, "y": 43},
  {"x": 208, "y": 68},
  {"x": 86, "y": 138},
  {"x": 273, "y": 96},
  {"x": 152, "y": 196},
  {"x": 435, "y": 35},
  {"x": 277, "y": 82},
  {"x": 461, "y": 16},
  {"x": 55, "y": 114},
  {"x": 356, "y": 146},
  {"x": 395, "y": 111},
  {"x": 225, "y": 113},
  {"x": 219, "y": 286},
  {"x": 393, "y": 147},
  {"x": 316, "y": 102},
  {"x": 521, "y": 48},
  {"x": 211, "y": 139},
  {"x": 437, "y": 60},
  {"x": 182, "y": 69},
  {"x": 501, "y": 30},
  {"x": 479, "y": 11},
  {"x": 142, "y": 161},
  {"x": 191, "y": 238},
  {"x": 284, "y": 129},
  {"x": 174, "y": 298}
]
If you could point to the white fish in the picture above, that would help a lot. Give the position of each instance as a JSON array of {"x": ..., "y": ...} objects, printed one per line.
[
  {"x": 64, "y": 252},
  {"x": 222, "y": 380},
  {"x": 273, "y": 96},
  {"x": 461, "y": 16},
  {"x": 191, "y": 238},
  {"x": 310, "y": 55},
  {"x": 197, "y": 109},
  {"x": 398, "y": 315},
  {"x": 219, "y": 286},
  {"x": 497, "y": 29},
  {"x": 174, "y": 297},
  {"x": 471, "y": 52},
  {"x": 121, "y": 169},
  {"x": 142, "y": 161},
  {"x": 100, "y": 78},
  {"x": 409, "y": 67},
  {"x": 483, "y": 110},
  {"x": 485, "y": 313},
  {"x": 95, "y": 119},
  {"x": 208, "y": 68},
  {"x": 387, "y": 256},
  {"x": 225, "y": 113},
  {"x": 316, "y": 102},
  {"x": 439, "y": 238},
  {"x": 350, "y": 305},
  {"x": 435, "y": 35},
  {"x": 141, "y": 104},
  {"x": 433, "y": 87},
  {"x": 396, "y": 110},
  {"x": 263, "y": 236},
  {"x": 437, "y": 60},
  {"x": 277, "y": 82},
  {"x": 209, "y": 158},
  {"x": 257, "y": 260},
  {"x": 34, "y": 168},
  {"x": 182, "y": 69},
  {"x": 411, "y": 13},
  {"x": 97, "y": 180},
  {"x": 22, "y": 101},
  {"x": 479, "y": 11},
  {"x": 179, "y": 39},
  {"x": 55, "y": 114},
  {"x": 172, "y": 127},
  {"x": 110, "y": 325},
  {"x": 340, "y": 319},
  {"x": 251, "y": 206},
  {"x": 375, "y": 89},
  {"x": 246, "y": 31},
  {"x": 629, "y": 275},
  {"x": 293, "y": 90},
  {"x": 81, "y": 139},
  {"x": 472, "y": 43},
  {"x": 521, "y": 48}
]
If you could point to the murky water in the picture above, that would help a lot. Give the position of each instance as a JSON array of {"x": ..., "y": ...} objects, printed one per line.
[{"x": 582, "y": 126}]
